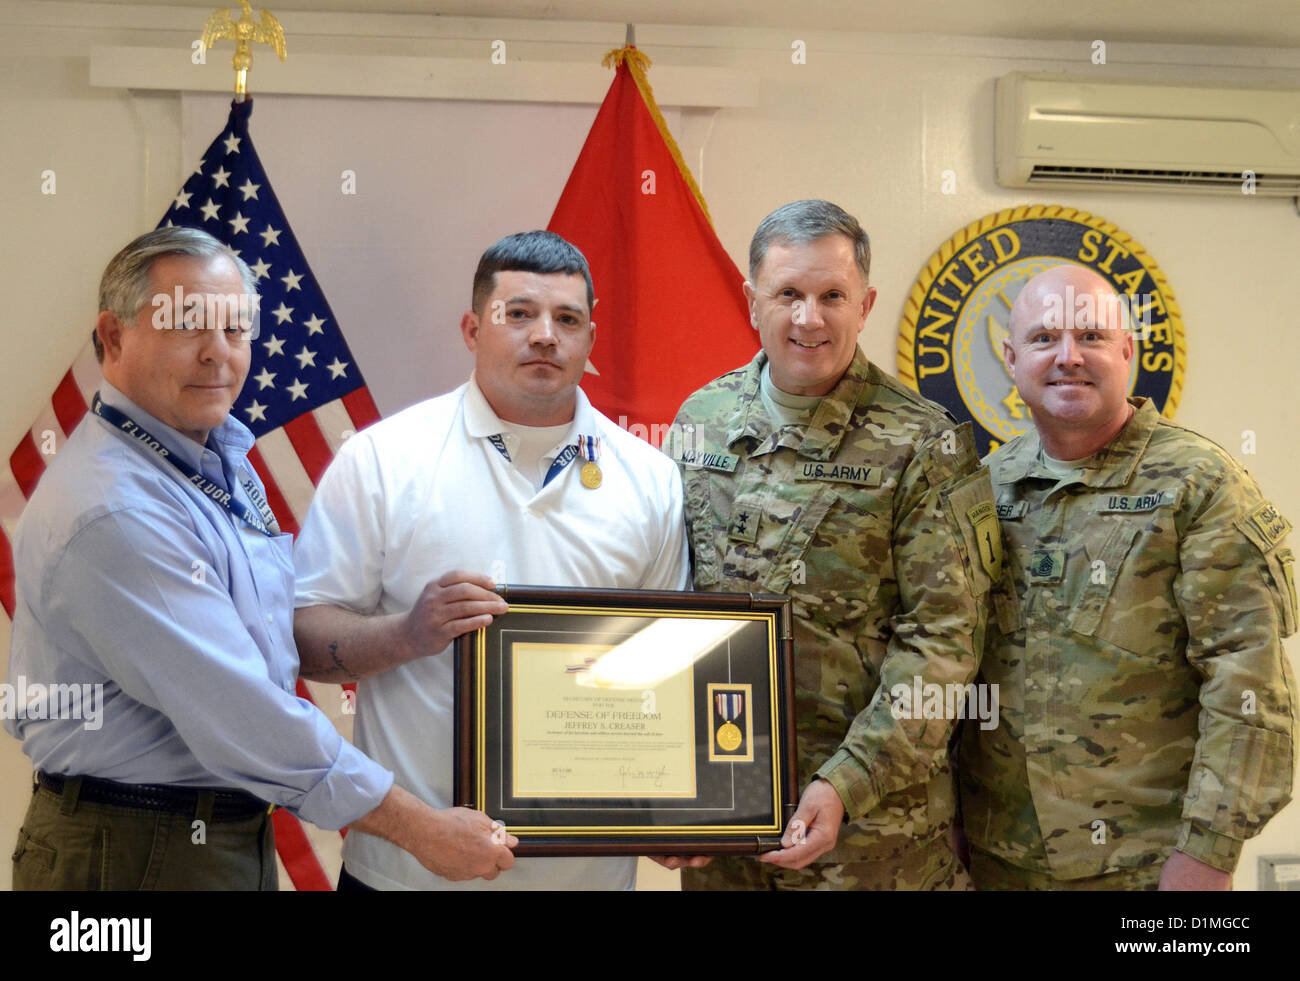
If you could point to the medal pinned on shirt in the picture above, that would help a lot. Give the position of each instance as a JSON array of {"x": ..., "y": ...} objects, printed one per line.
[
  {"x": 589, "y": 450},
  {"x": 587, "y": 446}
]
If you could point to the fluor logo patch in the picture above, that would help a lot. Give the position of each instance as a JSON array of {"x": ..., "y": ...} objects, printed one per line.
[{"x": 955, "y": 318}]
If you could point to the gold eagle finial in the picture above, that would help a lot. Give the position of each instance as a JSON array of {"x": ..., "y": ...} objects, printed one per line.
[{"x": 245, "y": 32}]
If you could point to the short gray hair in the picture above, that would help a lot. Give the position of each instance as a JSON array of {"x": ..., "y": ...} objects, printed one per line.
[
  {"x": 124, "y": 287},
  {"x": 807, "y": 221}
]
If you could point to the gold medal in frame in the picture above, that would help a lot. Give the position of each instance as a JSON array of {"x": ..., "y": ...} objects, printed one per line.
[
  {"x": 596, "y": 721},
  {"x": 733, "y": 736}
]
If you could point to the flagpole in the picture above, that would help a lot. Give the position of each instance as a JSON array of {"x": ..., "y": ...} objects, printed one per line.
[
  {"x": 629, "y": 39},
  {"x": 245, "y": 32}
]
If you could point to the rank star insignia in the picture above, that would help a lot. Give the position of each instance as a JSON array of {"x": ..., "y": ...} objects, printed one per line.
[{"x": 744, "y": 527}]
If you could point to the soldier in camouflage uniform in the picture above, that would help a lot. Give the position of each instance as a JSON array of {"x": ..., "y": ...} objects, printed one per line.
[
  {"x": 811, "y": 472},
  {"x": 1146, "y": 704}
]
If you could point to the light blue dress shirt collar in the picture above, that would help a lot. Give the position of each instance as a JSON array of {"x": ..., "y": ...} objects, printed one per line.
[{"x": 229, "y": 443}]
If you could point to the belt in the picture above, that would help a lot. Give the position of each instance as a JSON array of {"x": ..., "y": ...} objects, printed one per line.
[{"x": 227, "y": 805}]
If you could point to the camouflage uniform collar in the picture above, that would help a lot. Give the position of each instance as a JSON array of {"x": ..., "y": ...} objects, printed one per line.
[
  {"x": 822, "y": 437},
  {"x": 1119, "y": 458},
  {"x": 749, "y": 420},
  {"x": 1111, "y": 466}
]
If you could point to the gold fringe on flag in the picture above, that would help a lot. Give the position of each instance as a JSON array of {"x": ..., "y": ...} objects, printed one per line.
[{"x": 637, "y": 62}]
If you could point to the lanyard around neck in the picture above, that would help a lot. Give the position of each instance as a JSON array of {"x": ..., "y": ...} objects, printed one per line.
[
  {"x": 264, "y": 522},
  {"x": 564, "y": 458}
]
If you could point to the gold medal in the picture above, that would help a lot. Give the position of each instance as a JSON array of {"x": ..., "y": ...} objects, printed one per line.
[
  {"x": 591, "y": 476},
  {"x": 728, "y": 737}
]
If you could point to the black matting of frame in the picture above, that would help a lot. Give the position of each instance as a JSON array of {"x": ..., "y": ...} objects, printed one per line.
[{"x": 739, "y": 807}]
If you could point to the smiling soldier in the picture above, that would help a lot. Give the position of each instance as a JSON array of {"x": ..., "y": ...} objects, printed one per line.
[
  {"x": 1146, "y": 722},
  {"x": 811, "y": 472}
]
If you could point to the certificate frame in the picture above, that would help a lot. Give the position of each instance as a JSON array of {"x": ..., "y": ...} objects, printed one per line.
[{"x": 561, "y": 737}]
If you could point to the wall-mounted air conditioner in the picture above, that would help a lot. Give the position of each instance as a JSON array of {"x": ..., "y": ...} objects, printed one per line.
[{"x": 1061, "y": 132}]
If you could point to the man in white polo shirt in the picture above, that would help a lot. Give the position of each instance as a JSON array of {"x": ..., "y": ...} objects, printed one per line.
[{"x": 421, "y": 513}]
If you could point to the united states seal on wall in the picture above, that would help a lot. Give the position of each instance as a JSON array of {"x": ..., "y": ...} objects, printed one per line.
[{"x": 955, "y": 318}]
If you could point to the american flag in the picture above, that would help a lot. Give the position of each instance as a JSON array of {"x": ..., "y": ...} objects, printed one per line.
[{"x": 304, "y": 396}]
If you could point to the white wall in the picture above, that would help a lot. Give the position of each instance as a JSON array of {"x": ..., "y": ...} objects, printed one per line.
[{"x": 871, "y": 121}]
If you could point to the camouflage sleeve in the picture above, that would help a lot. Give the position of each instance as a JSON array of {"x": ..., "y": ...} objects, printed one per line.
[
  {"x": 1236, "y": 591},
  {"x": 944, "y": 511}
]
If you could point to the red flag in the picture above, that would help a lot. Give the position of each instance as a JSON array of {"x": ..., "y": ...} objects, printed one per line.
[{"x": 671, "y": 314}]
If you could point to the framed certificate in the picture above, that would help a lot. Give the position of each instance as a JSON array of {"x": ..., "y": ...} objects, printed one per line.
[{"x": 628, "y": 722}]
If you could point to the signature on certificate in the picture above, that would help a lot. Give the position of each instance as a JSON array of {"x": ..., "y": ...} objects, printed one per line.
[{"x": 639, "y": 777}]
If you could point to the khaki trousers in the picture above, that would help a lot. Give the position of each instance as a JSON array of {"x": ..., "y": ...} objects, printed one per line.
[{"x": 67, "y": 843}]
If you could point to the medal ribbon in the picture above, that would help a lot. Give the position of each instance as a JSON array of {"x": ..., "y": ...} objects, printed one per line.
[
  {"x": 589, "y": 447},
  {"x": 264, "y": 522},
  {"x": 730, "y": 705},
  {"x": 559, "y": 463}
]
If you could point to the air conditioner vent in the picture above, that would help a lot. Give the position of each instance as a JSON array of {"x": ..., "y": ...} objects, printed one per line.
[{"x": 1168, "y": 180}]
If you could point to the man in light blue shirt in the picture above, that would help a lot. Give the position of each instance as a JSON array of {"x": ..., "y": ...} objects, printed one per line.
[{"x": 152, "y": 666}]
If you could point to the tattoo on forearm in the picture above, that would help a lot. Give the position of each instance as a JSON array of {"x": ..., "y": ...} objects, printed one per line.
[{"x": 338, "y": 663}]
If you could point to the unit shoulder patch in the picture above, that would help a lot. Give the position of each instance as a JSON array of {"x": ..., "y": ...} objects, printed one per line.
[{"x": 984, "y": 519}]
